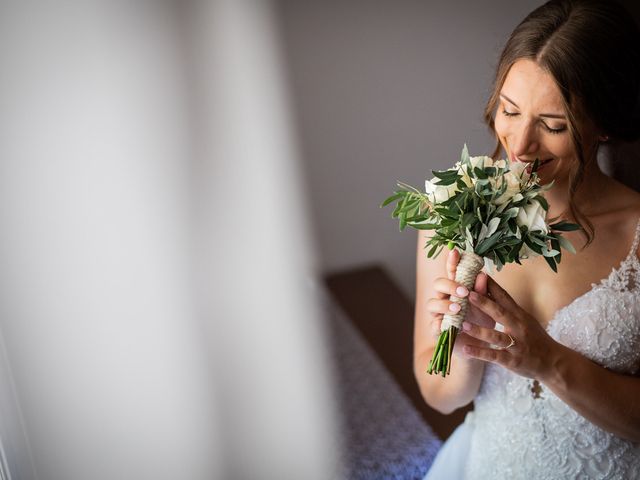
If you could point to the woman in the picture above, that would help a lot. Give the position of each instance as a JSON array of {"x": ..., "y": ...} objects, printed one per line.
[{"x": 558, "y": 395}]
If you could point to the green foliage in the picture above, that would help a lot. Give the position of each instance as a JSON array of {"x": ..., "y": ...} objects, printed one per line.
[{"x": 471, "y": 220}]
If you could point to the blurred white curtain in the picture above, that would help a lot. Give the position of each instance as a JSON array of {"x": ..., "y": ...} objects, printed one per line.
[{"x": 155, "y": 312}]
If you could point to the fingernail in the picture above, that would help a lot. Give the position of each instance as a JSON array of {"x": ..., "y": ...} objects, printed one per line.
[
  {"x": 454, "y": 307},
  {"x": 466, "y": 326},
  {"x": 462, "y": 292},
  {"x": 473, "y": 296}
]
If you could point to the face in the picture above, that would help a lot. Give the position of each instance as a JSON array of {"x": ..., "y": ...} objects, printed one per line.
[{"x": 533, "y": 123}]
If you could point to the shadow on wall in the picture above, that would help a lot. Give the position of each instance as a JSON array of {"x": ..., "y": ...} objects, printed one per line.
[{"x": 622, "y": 162}]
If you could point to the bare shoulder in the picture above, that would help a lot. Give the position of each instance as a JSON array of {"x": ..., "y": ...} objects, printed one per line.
[
  {"x": 626, "y": 204},
  {"x": 621, "y": 216}
]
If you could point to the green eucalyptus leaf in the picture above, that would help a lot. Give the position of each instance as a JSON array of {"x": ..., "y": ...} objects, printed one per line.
[
  {"x": 464, "y": 156},
  {"x": 446, "y": 181},
  {"x": 543, "y": 201},
  {"x": 483, "y": 233},
  {"x": 532, "y": 245},
  {"x": 551, "y": 263},
  {"x": 512, "y": 212},
  {"x": 486, "y": 244},
  {"x": 445, "y": 174},
  {"x": 566, "y": 244},
  {"x": 564, "y": 226},
  {"x": 493, "y": 225},
  {"x": 392, "y": 198},
  {"x": 461, "y": 185},
  {"x": 479, "y": 173}
]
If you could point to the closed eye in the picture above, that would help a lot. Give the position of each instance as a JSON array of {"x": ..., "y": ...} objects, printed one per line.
[{"x": 554, "y": 131}]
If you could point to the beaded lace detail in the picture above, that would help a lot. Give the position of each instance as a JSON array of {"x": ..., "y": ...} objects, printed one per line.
[{"x": 521, "y": 435}]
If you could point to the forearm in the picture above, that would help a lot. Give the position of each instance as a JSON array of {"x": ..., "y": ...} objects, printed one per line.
[
  {"x": 607, "y": 399},
  {"x": 459, "y": 387}
]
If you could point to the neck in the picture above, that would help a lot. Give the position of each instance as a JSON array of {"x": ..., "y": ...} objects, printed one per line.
[{"x": 588, "y": 197}]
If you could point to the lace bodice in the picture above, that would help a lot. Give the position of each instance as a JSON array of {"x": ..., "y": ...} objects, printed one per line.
[{"x": 522, "y": 430}]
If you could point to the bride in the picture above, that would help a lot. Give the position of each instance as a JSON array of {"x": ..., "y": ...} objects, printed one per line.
[{"x": 558, "y": 395}]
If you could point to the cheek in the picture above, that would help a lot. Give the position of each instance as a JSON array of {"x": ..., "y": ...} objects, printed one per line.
[
  {"x": 561, "y": 147},
  {"x": 500, "y": 125}
]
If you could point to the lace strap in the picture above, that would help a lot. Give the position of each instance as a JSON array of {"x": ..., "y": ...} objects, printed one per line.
[{"x": 636, "y": 241}]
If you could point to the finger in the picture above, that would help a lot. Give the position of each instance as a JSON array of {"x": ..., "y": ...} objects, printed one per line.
[
  {"x": 487, "y": 335},
  {"x": 481, "y": 283},
  {"x": 481, "y": 287},
  {"x": 442, "y": 306},
  {"x": 452, "y": 263},
  {"x": 436, "y": 327},
  {"x": 501, "y": 357},
  {"x": 477, "y": 316},
  {"x": 450, "y": 287},
  {"x": 500, "y": 295},
  {"x": 462, "y": 340},
  {"x": 495, "y": 310}
]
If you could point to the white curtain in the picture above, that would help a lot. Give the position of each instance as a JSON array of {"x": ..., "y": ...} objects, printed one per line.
[{"x": 156, "y": 310}]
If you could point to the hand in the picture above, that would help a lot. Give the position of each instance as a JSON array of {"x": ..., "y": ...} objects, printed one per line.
[
  {"x": 439, "y": 305},
  {"x": 531, "y": 356}
]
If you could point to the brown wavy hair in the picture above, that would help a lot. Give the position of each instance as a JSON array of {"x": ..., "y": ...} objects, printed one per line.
[{"x": 591, "y": 48}]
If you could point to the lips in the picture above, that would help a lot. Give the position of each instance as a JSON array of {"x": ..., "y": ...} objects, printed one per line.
[{"x": 540, "y": 165}]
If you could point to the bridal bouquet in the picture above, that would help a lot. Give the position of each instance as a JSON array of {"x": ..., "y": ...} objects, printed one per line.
[{"x": 493, "y": 212}]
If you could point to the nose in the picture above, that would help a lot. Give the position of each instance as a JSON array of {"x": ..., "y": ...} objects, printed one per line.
[{"x": 525, "y": 141}]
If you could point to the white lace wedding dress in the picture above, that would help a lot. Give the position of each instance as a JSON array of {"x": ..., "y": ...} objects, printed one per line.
[{"x": 521, "y": 430}]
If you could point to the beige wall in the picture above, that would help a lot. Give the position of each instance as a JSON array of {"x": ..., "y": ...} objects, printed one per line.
[{"x": 387, "y": 91}]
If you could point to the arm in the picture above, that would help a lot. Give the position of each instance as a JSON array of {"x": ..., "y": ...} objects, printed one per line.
[
  {"x": 461, "y": 386},
  {"x": 607, "y": 399}
]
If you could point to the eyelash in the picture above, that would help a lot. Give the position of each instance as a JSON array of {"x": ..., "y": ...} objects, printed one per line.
[{"x": 554, "y": 131}]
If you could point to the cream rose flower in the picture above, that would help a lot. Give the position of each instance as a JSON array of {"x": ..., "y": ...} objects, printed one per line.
[
  {"x": 514, "y": 187},
  {"x": 533, "y": 216},
  {"x": 519, "y": 169},
  {"x": 515, "y": 181},
  {"x": 438, "y": 193},
  {"x": 500, "y": 163},
  {"x": 480, "y": 162}
]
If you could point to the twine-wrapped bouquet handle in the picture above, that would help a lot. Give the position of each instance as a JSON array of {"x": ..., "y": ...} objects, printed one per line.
[{"x": 467, "y": 271}]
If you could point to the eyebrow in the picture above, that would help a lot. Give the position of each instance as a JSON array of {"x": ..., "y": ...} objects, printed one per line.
[{"x": 547, "y": 115}]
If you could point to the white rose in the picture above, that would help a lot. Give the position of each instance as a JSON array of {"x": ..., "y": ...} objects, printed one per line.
[
  {"x": 533, "y": 216},
  {"x": 516, "y": 178},
  {"x": 513, "y": 187},
  {"x": 519, "y": 169},
  {"x": 481, "y": 162},
  {"x": 439, "y": 193},
  {"x": 500, "y": 163}
]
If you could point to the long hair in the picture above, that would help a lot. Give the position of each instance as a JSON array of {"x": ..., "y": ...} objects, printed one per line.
[{"x": 591, "y": 48}]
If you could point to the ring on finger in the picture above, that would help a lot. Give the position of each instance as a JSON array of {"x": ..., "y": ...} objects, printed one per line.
[{"x": 512, "y": 342}]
